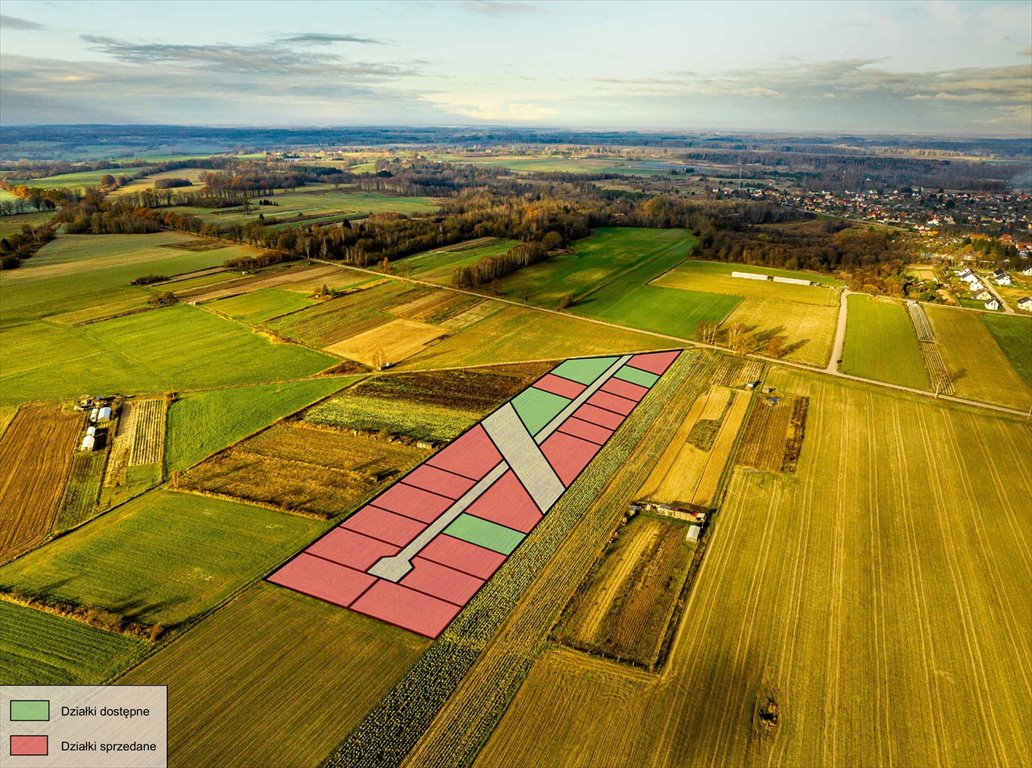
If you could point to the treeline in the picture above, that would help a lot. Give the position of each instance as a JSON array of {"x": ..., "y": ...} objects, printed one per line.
[
  {"x": 822, "y": 246},
  {"x": 492, "y": 268},
  {"x": 850, "y": 169},
  {"x": 19, "y": 246}
]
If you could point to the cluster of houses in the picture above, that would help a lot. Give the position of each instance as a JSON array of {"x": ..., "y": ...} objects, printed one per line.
[
  {"x": 979, "y": 291},
  {"x": 100, "y": 410}
]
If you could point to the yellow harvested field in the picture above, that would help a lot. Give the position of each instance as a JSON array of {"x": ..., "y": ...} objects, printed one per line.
[
  {"x": 147, "y": 182},
  {"x": 395, "y": 341},
  {"x": 922, "y": 271},
  {"x": 882, "y": 594},
  {"x": 687, "y": 475},
  {"x": 690, "y": 277},
  {"x": 706, "y": 490},
  {"x": 421, "y": 307},
  {"x": 972, "y": 354},
  {"x": 593, "y": 710},
  {"x": 274, "y": 678},
  {"x": 809, "y": 329}
]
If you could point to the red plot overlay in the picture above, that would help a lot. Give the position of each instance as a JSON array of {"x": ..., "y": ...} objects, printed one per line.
[{"x": 418, "y": 552}]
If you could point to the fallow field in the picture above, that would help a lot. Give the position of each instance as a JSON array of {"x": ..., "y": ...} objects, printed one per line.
[{"x": 35, "y": 457}]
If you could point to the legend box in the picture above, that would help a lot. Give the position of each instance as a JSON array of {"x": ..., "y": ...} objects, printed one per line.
[{"x": 84, "y": 726}]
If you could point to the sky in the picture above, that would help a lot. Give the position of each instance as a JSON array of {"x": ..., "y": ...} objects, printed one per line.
[{"x": 796, "y": 67}]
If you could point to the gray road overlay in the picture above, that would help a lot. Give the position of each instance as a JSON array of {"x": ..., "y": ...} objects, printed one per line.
[
  {"x": 578, "y": 401},
  {"x": 394, "y": 568},
  {"x": 520, "y": 451}
]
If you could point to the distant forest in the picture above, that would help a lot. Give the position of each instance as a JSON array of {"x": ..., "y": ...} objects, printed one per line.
[{"x": 546, "y": 212}]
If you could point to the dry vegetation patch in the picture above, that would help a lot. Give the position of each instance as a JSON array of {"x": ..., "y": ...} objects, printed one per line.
[
  {"x": 774, "y": 434},
  {"x": 35, "y": 457},
  {"x": 388, "y": 343},
  {"x": 301, "y": 468},
  {"x": 623, "y": 608},
  {"x": 475, "y": 389}
]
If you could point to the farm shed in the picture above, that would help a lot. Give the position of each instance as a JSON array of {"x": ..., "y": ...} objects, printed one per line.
[
  {"x": 94, "y": 413},
  {"x": 792, "y": 280},
  {"x": 88, "y": 442},
  {"x": 749, "y": 275},
  {"x": 693, "y": 533},
  {"x": 105, "y": 414}
]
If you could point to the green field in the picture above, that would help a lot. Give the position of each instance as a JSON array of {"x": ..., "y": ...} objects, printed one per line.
[
  {"x": 312, "y": 202},
  {"x": 276, "y": 676},
  {"x": 40, "y": 649},
  {"x": 601, "y": 259},
  {"x": 517, "y": 334},
  {"x": 560, "y": 164},
  {"x": 78, "y": 180},
  {"x": 881, "y": 343},
  {"x": 93, "y": 272},
  {"x": 331, "y": 321},
  {"x": 630, "y": 258},
  {"x": 262, "y": 305},
  {"x": 438, "y": 266},
  {"x": 1014, "y": 335},
  {"x": 155, "y": 351},
  {"x": 970, "y": 351},
  {"x": 715, "y": 277},
  {"x": 10, "y": 225},
  {"x": 162, "y": 558},
  {"x": 398, "y": 417},
  {"x": 201, "y": 423}
]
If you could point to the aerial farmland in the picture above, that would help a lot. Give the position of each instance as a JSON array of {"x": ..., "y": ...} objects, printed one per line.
[{"x": 507, "y": 442}]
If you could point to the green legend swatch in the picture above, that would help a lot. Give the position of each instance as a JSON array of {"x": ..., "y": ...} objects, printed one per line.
[{"x": 30, "y": 710}]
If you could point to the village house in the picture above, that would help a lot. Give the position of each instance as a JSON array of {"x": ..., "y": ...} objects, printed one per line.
[{"x": 1025, "y": 303}]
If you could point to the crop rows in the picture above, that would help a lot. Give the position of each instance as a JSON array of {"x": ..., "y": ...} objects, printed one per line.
[
  {"x": 149, "y": 433},
  {"x": 920, "y": 321},
  {"x": 938, "y": 373},
  {"x": 392, "y": 728},
  {"x": 374, "y": 414},
  {"x": 80, "y": 498},
  {"x": 337, "y": 319},
  {"x": 35, "y": 457}
]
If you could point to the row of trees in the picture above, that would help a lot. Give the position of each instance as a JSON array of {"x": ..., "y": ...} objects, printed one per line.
[
  {"x": 492, "y": 268},
  {"x": 19, "y": 246}
]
